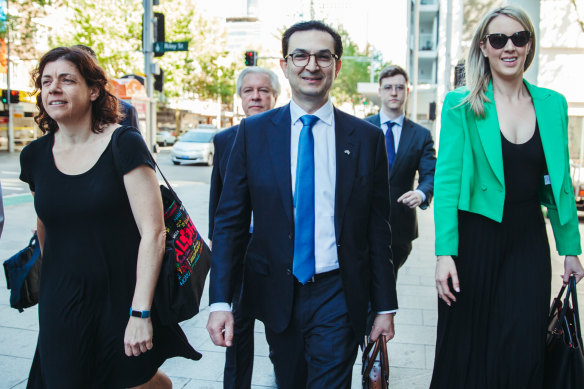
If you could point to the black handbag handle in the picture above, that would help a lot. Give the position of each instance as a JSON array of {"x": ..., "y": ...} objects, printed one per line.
[
  {"x": 562, "y": 315},
  {"x": 557, "y": 302},
  {"x": 576, "y": 311},
  {"x": 562, "y": 320}
]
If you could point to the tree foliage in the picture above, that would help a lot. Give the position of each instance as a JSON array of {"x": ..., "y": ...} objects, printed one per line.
[
  {"x": 352, "y": 71},
  {"x": 21, "y": 22},
  {"x": 206, "y": 71},
  {"x": 114, "y": 31}
]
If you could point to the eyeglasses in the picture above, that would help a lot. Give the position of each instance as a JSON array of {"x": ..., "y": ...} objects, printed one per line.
[
  {"x": 324, "y": 59},
  {"x": 498, "y": 41}
]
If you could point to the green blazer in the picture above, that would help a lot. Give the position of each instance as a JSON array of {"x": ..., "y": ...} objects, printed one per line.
[{"x": 469, "y": 171}]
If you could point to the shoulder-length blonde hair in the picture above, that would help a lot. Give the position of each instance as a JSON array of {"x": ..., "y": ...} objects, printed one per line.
[{"x": 478, "y": 70}]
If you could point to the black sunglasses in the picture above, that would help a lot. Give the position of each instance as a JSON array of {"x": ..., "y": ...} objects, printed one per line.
[{"x": 498, "y": 41}]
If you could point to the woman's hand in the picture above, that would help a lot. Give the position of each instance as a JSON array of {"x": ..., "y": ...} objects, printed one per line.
[
  {"x": 138, "y": 336},
  {"x": 572, "y": 265},
  {"x": 445, "y": 269}
]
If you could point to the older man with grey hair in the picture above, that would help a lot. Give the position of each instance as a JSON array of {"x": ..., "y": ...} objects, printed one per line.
[{"x": 258, "y": 88}]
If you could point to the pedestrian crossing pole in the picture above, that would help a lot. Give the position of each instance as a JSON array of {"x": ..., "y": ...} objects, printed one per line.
[{"x": 148, "y": 49}]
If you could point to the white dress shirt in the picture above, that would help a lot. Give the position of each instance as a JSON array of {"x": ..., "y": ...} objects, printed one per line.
[
  {"x": 397, "y": 130},
  {"x": 325, "y": 173}
]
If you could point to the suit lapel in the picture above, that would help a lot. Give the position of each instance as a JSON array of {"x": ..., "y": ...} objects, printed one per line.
[
  {"x": 279, "y": 140},
  {"x": 347, "y": 149},
  {"x": 405, "y": 142},
  {"x": 490, "y": 135},
  {"x": 548, "y": 121}
]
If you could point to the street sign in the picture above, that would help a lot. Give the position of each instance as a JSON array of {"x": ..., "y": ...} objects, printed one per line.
[{"x": 161, "y": 47}]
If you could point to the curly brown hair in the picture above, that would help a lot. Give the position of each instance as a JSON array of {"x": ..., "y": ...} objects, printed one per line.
[{"x": 104, "y": 110}]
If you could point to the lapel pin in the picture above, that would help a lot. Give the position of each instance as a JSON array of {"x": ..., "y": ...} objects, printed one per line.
[{"x": 347, "y": 152}]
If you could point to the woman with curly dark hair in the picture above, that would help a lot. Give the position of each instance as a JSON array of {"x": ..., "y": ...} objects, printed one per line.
[{"x": 101, "y": 230}]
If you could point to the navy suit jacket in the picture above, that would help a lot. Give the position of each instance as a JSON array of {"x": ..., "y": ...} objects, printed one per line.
[
  {"x": 258, "y": 177},
  {"x": 415, "y": 152},
  {"x": 223, "y": 143}
]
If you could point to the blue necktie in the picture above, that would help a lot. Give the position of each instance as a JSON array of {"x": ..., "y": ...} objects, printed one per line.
[
  {"x": 390, "y": 143},
  {"x": 303, "y": 261}
]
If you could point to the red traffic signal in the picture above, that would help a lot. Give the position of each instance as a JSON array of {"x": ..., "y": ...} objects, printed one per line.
[
  {"x": 14, "y": 96},
  {"x": 251, "y": 58}
]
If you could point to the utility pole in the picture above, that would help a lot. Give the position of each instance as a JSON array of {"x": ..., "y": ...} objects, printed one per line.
[
  {"x": 10, "y": 110},
  {"x": 415, "y": 56},
  {"x": 148, "y": 49}
]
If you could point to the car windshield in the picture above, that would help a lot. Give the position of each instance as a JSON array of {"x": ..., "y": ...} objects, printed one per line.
[{"x": 197, "y": 136}]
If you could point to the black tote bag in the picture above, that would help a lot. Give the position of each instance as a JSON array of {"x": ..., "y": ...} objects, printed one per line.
[
  {"x": 564, "y": 358},
  {"x": 186, "y": 260}
]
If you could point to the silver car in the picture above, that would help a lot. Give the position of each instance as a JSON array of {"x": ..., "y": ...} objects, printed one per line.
[
  {"x": 165, "y": 138},
  {"x": 195, "y": 146}
]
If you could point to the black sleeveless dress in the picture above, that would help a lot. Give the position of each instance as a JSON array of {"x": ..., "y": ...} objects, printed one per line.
[
  {"x": 89, "y": 273},
  {"x": 493, "y": 336}
]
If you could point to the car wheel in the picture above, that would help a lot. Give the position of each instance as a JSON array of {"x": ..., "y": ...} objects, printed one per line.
[
  {"x": 210, "y": 159},
  {"x": 176, "y": 162}
]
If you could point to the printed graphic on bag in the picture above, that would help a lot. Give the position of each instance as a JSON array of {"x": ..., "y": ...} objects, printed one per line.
[{"x": 187, "y": 242}]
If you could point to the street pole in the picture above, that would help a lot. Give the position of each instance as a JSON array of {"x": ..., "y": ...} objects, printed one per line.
[
  {"x": 148, "y": 47},
  {"x": 8, "y": 95},
  {"x": 414, "y": 114}
]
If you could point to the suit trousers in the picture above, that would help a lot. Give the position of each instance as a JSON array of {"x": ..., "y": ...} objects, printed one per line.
[
  {"x": 239, "y": 356},
  {"x": 319, "y": 347}
]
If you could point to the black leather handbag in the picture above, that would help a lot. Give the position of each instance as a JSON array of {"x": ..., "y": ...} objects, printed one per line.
[
  {"x": 564, "y": 357},
  {"x": 375, "y": 369}
]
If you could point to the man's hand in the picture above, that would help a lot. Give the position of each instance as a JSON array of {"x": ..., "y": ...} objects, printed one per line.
[
  {"x": 411, "y": 198},
  {"x": 383, "y": 325},
  {"x": 220, "y": 327}
]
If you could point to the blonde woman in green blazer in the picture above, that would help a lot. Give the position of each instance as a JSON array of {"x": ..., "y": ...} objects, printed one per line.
[{"x": 503, "y": 153}]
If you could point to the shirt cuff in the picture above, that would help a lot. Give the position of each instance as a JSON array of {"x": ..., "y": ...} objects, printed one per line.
[
  {"x": 394, "y": 311},
  {"x": 215, "y": 307},
  {"x": 423, "y": 195}
]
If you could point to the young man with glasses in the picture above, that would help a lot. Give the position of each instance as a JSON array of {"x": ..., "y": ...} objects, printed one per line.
[
  {"x": 410, "y": 150},
  {"x": 316, "y": 179}
]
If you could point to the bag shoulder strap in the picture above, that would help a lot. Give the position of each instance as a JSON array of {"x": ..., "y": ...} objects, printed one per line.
[{"x": 115, "y": 148}]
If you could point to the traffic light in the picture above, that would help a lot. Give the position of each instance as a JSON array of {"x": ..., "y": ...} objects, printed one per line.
[
  {"x": 14, "y": 96},
  {"x": 159, "y": 32},
  {"x": 159, "y": 81},
  {"x": 251, "y": 58}
]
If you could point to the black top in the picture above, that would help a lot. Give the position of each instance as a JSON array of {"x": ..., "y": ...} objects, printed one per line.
[
  {"x": 89, "y": 271},
  {"x": 524, "y": 164}
]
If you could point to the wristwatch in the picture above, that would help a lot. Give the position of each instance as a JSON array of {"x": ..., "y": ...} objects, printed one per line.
[{"x": 140, "y": 314}]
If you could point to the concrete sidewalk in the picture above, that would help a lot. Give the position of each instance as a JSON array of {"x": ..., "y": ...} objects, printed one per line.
[{"x": 411, "y": 352}]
